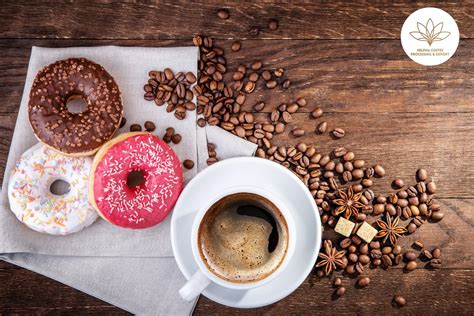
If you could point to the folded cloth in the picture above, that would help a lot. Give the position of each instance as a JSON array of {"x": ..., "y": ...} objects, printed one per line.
[{"x": 133, "y": 269}]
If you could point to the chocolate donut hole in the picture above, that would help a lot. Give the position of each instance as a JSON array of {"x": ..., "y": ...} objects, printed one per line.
[
  {"x": 76, "y": 104},
  {"x": 59, "y": 187},
  {"x": 135, "y": 178}
]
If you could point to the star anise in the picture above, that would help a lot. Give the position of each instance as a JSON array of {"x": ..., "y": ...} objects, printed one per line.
[
  {"x": 330, "y": 258},
  {"x": 348, "y": 203},
  {"x": 389, "y": 229}
]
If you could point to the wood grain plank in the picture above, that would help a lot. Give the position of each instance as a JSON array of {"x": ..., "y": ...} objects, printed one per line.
[
  {"x": 427, "y": 293},
  {"x": 24, "y": 291},
  {"x": 179, "y": 19},
  {"x": 27, "y": 292},
  {"x": 340, "y": 76}
]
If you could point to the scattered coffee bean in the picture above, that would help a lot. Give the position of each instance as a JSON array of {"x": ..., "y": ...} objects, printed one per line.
[
  {"x": 259, "y": 106},
  {"x": 399, "y": 300},
  {"x": 273, "y": 25},
  {"x": 297, "y": 132},
  {"x": 176, "y": 138},
  {"x": 431, "y": 187},
  {"x": 410, "y": 255},
  {"x": 427, "y": 254},
  {"x": 338, "y": 133},
  {"x": 235, "y": 46},
  {"x": 149, "y": 126},
  {"x": 271, "y": 84},
  {"x": 436, "y": 253},
  {"x": 418, "y": 245},
  {"x": 223, "y": 14},
  {"x": 340, "y": 291},
  {"x": 337, "y": 282},
  {"x": 135, "y": 128},
  {"x": 286, "y": 84},
  {"x": 422, "y": 175},
  {"x": 322, "y": 127},
  {"x": 123, "y": 121},
  {"x": 363, "y": 281},
  {"x": 435, "y": 263},
  {"x": 437, "y": 216},
  {"x": 317, "y": 112},
  {"x": 379, "y": 170},
  {"x": 188, "y": 164},
  {"x": 254, "y": 31},
  {"x": 398, "y": 183},
  {"x": 410, "y": 266}
]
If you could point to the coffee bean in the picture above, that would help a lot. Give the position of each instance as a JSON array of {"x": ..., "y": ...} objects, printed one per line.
[
  {"x": 286, "y": 84},
  {"x": 410, "y": 266},
  {"x": 418, "y": 244},
  {"x": 273, "y": 25},
  {"x": 292, "y": 108},
  {"x": 297, "y": 132},
  {"x": 398, "y": 183},
  {"x": 437, "y": 216},
  {"x": 287, "y": 118},
  {"x": 427, "y": 254},
  {"x": 349, "y": 156},
  {"x": 364, "y": 259},
  {"x": 271, "y": 84},
  {"x": 259, "y": 106},
  {"x": 337, "y": 282},
  {"x": 421, "y": 174},
  {"x": 346, "y": 242},
  {"x": 317, "y": 112},
  {"x": 386, "y": 261},
  {"x": 379, "y": 170},
  {"x": 176, "y": 138},
  {"x": 266, "y": 75},
  {"x": 279, "y": 128},
  {"x": 123, "y": 121},
  {"x": 340, "y": 291},
  {"x": 188, "y": 164},
  {"x": 436, "y": 253},
  {"x": 256, "y": 65},
  {"x": 301, "y": 102},
  {"x": 211, "y": 161},
  {"x": 223, "y": 14},
  {"x": 235, "y": 46},
  {"x": 399, "y": 300},
  {"x": 322, "y": 127},
  {"x": 421, "y": 187},
  {"x": 254, "y": 31},
  {"x": 357, "y": 174},
  {"x": 363, "y": 281},
  {"x": 431, "y": 187},
  {"x": 149, "y": 126},
  {"x": 410, "y": 255},
  {"x": 435, "y": 263},
  {"x": 135, "y": 128},
  {"x": 359, "y": 163},
  {"x": 338, "y": 133},
  {"x": 411, "y": 228}
]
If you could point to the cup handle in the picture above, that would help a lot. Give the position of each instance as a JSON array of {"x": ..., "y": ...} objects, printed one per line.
[{"x": 198, "y": 282}]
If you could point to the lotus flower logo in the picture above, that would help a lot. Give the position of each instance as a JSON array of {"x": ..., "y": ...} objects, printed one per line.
[{"x": 429, "y": 32}]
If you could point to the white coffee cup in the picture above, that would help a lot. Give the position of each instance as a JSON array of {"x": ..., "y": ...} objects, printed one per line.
[{"x": 202, "y": 278}]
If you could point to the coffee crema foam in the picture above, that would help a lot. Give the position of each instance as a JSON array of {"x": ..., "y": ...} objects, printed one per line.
[{"x": 237, "y": 244}]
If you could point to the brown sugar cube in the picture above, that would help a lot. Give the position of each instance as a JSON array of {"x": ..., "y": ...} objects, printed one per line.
[
  {"x": 344, "y": 227},
  {"x": 366, "y": 232}
]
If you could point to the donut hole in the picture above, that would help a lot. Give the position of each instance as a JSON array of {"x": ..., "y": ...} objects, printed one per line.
[
  {"x": 76, "y": 104},
  {"x": 59, "y": 187},
  {"x": 135, "y": 178}
]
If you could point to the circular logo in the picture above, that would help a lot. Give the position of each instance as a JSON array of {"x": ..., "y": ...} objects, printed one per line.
[{"x": 430, "y": 36}]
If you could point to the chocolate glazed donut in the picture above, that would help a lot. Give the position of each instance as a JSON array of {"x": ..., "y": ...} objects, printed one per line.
[{"x": 74, "y": 134}]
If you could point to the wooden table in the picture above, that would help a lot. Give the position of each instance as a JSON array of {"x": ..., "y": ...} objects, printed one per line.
[{"x": 346, "y": 58}]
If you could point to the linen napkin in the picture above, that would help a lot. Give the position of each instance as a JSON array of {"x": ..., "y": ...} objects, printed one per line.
[{"x": 132, "y": 269}]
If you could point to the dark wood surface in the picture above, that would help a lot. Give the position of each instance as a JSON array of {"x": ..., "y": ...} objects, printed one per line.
[{"x": 346, "y": 58}]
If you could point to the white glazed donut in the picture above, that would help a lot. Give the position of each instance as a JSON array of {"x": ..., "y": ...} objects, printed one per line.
[{"x": 32, "y": 201}]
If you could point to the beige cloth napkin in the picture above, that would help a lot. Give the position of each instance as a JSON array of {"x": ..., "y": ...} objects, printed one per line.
[{"x": 133, "y": 269}]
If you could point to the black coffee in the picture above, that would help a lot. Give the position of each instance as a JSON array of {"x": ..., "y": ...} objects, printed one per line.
[{"x": 243, "y": 238}]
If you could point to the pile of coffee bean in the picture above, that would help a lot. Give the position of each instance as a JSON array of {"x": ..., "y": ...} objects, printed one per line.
[
  {"x": 166, "y": 86},
  {"x": 211, "y": 149},
  {"x": 171, "y": 136}
]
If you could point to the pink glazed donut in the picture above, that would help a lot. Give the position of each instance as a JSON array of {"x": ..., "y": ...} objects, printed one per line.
[{"x": 136, "y": 179}]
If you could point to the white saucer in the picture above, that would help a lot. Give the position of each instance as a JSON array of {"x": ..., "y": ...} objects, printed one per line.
[{"x": 275, "y": 179}]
